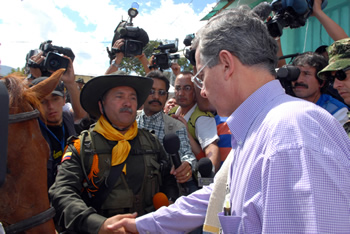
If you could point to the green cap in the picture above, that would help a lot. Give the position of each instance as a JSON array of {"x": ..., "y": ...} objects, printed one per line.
[{"x": 339, "y": 57}]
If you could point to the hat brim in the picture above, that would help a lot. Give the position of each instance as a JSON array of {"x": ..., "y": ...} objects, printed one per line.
[
  {"x": 336, "y": 65},
  {"x": 95, "y": 88}
]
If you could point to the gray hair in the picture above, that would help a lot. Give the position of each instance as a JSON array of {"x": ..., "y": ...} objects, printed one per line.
[{"x": 241, "y": 32}]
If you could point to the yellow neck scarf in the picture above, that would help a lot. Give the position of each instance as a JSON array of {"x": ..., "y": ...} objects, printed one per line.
[{"x": 121, "y": 151}]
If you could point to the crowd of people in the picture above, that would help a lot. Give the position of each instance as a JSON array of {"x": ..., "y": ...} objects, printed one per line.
[{"x": 281, "y": 162}]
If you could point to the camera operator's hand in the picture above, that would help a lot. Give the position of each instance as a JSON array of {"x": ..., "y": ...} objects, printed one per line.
[
  {"x": 68, "y": 79},
  {"x": 38, "y": 58},
  {"x": 144, "y": 62},
  {"x": 114, "y": 66},
  {"x": 175, "y": 67},
  {"x": 333, "y": 29}
]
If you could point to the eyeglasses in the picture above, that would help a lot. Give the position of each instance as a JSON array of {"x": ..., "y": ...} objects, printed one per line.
[
  {"x": 161, "y": 92},
  {"x": 197, "y": 81},
  {"x": 185, "y": 88},
  {"x": 340, "y": 75}
]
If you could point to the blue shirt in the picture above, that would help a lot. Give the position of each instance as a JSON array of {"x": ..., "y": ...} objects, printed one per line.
[{"x": 290, "y": 171}]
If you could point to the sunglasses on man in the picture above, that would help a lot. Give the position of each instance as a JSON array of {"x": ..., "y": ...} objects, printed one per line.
[{"x": 340, "y": 75}]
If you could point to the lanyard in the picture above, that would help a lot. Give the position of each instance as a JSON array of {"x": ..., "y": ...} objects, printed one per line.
[{"x": 62, "y": 142}]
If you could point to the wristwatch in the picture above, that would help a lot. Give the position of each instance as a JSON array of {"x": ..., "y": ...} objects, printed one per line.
[{"x": 114, "y": 64}]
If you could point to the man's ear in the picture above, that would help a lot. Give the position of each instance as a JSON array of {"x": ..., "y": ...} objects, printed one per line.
[
  {"x": 322, "y": 83},
  {"x": 100, "y": 106},
  {"x": 227, "y": 62}
]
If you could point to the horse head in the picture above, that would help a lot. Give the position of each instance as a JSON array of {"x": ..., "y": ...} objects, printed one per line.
[{"x": 24, "y": 192}]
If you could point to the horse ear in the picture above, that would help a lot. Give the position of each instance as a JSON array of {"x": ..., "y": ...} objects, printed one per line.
[{"x": 45, "y": 87}]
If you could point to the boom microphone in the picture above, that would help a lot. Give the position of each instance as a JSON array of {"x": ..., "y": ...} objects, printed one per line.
[
  {"x": 263, "y": 10},
  {"x": 205, "y": 170},
  {"x": 159, "y": 200},
  {"x": 171, "y": 143}
]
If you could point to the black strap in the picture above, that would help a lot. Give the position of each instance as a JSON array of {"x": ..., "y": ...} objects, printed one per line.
[
  {"x": 4, "y": 115},
  {"x": 106, "y": 188},
  {"x": 31, "y": 222}
]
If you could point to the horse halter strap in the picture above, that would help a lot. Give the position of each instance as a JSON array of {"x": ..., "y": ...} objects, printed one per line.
[
  {"x": 20, "y": 117},
  {"x": 31, "y": 222}
]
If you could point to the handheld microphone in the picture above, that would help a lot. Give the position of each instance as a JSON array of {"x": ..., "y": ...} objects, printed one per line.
[
  {"x": 263, "y": 10},
  {"x": 171, "y": 143},
  {"x": 159, "y": 200},
  {"x": 205, "y": 172}
]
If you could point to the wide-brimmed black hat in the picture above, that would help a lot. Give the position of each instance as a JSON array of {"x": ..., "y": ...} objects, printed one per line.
[{"x": 95, "y": 88}]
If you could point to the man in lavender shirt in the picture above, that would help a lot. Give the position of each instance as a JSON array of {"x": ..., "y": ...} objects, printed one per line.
[{"x": 289, "y": 168}]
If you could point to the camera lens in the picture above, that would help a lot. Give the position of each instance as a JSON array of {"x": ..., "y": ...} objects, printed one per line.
[
  {"x": 54, "y": 64},
  {"x": 133, "y": 47}
]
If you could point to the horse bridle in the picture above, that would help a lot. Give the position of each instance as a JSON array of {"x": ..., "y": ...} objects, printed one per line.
[{"x": 5, "y": 119}]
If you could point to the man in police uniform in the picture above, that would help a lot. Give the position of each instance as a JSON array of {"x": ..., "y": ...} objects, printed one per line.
[
  {"x": 90, "y": 162},
  {"x": 338, "y": 71}
]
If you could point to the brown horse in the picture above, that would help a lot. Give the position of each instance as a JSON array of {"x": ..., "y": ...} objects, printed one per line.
[{"x": 24, "y": 199}]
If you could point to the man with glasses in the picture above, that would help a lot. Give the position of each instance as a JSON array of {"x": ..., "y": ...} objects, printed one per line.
[
  {"x": 289, "y": 168},
  {"x": 201, "y": 125},
  {"x": 153, "y": 118},
  {"x": 338, "y": 71}
]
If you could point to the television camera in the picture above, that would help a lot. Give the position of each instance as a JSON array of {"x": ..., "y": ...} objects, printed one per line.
[
  {"x": 163, "y": 57},
  {"x": 288, "y": 13},
  {"x": 53, "y": 58},
  {"x": 286, "y": 74},
  {"x": 135, "y": 38},
  {"x": 190, "y": 53}
]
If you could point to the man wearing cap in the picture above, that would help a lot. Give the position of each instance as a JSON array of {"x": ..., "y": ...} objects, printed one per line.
[
  {"x": 114, "y": 168},
  {"x": 58, "y": 125},
  {"x": 80, "y": 82},
  {"x": 338, "y": 71}
]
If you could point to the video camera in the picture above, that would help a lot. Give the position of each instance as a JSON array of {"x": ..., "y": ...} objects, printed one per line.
[
  {"x": 163, "y": 58},
  {"x": 290, "y": 13},
  {"x": 190, "y": 53},
  {"x": 53, "y": 58},
  {"x": 135, "y": 38},
  {"x": 286, "y": 74}
]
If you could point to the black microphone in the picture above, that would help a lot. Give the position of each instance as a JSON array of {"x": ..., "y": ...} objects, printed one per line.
[
  {"x": 263, "y": 10},
  {"x": 171, "y": 143},
  {"x": 205, "y": 172}
]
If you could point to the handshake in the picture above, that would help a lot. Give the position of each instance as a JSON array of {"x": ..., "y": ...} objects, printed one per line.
[{"x": 124, "y": 223}]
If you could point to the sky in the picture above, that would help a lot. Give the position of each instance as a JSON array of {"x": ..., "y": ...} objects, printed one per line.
[{"x": 87, "y": 26}]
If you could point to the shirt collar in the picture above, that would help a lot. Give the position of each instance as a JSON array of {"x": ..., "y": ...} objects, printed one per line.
[
  {"x": 243, "y": 117},
  {"x": 153, "y": 117}
]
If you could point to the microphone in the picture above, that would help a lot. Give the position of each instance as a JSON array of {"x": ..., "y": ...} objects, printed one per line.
[
  {"x": 263, "y": 10},
  {"x": 205, "y": 172},
  {"x": 171, "y": 143},
  {"x": 159, "y": 200}
]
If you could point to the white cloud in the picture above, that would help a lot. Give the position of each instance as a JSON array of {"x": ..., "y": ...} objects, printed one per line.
[{"x": 27, "y": 23}]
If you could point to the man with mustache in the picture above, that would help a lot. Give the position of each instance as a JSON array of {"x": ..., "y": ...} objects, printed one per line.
[
  {"x": 153, "y": 118},
  {"x": 114, "y": 168},
  {"x": 310, "y": 87}
]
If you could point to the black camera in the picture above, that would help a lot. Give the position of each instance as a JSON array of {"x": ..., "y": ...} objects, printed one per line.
[
  {"x": 53, "y": 58},
  {"x": 163, "y": 58},
  {"x": 290, "y": 13},
  {"x": 286, "y": 74},
  {"x": 135, "y": 38},
  {"x": 189, "y": 52}
]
